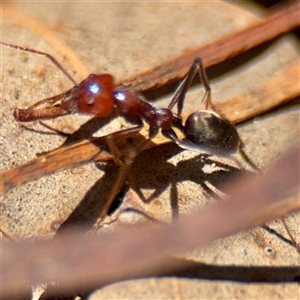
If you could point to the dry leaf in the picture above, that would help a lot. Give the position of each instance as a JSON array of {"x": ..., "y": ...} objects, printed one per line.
[{"x": 129, "y": 39}]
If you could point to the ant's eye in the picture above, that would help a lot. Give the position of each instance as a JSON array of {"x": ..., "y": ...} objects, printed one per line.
[
  {"x": 211, "y": 130},
  {"x": 120, "y": 95},
  {"x": 94, "y": 88}
]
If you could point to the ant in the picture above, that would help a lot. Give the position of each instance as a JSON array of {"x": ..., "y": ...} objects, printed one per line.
[{"x": 205, "y": 131}]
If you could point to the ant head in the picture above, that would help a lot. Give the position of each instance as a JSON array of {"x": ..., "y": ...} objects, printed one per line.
[
  {"x": 93, "y": 96},
  {"x": 208, "y": 130}
]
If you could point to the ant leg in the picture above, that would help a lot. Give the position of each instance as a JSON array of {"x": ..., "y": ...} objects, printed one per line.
[
  {"x": 117, "y": 154},
  {"x": 186, "y": 144},
  {"x": 125, "y": 165},
  {"x": 57, "y": 64},
  {"x": 125, "y": 168},
  {"x": 179, "y": 96},
  {"x": 122, "y": 176},
  {"x": 290, "y": 235},
  {"x": 246, "y": 158},
  {"x": 54, "y": 131}
]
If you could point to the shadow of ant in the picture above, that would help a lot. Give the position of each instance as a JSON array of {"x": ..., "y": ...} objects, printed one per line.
[{"x": 151, "y": 170}]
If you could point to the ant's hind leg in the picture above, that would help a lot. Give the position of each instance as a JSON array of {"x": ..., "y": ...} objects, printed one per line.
[
  {"x": 179, "y": 96},
  {"x": 207, "y": 100},
  {"x": 245, "y": 157}
]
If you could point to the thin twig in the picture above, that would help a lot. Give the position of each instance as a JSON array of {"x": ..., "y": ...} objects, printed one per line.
[
  {"x": 70, "y": 156},
  {"x": 276, "y": 23}
]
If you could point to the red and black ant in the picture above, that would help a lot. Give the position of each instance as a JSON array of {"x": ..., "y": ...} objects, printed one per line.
[{"x": 205, "y": 131}]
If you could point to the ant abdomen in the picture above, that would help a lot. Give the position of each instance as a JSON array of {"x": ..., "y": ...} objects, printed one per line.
[{"x": 208, "y": 129}]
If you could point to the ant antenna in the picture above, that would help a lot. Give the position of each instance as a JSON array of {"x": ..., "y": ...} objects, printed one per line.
[{"x": 42, "y": 53}]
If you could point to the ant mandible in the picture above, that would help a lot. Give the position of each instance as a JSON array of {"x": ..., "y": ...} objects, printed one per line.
[{"x": 205, "y": 131}]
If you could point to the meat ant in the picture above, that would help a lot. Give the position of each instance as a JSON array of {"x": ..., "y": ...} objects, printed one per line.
[{"x": 205, "y": 131}]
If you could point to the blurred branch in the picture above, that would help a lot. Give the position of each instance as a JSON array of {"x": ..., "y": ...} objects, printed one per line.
[{"x": 75, "y": 259}]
